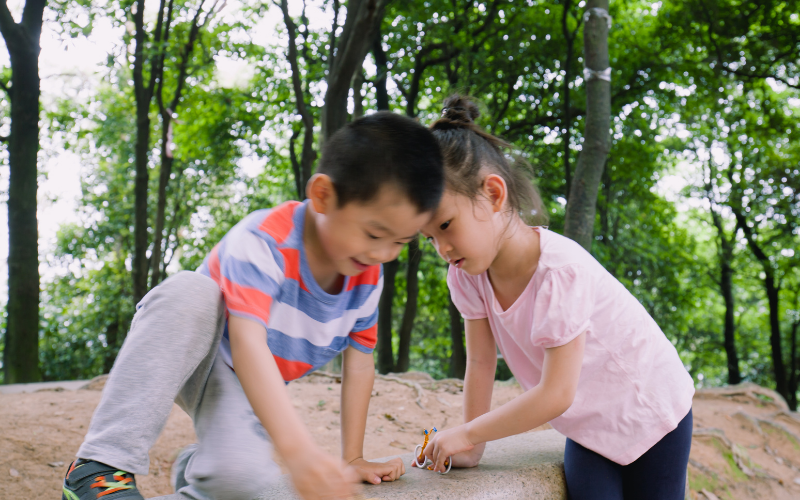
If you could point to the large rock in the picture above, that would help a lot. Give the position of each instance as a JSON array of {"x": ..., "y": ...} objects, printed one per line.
[{"x": 519, "y": 467}]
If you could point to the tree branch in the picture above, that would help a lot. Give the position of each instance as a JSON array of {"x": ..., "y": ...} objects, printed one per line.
[
  {"x": 543, "y": 120},
  {"x": 332, "y": 53},
  {"x": 306, "y": 48},
  {"x": 8, "y": 28},
  {"x": 32, "y": 17},
  {"x": 301, "y": 168},
  {"x": 399, "y": 85},
  {"x": 187, "y": 51},
  {"x": 157, "y": 63},
  {"x": 759, "y": 76},
  {"x": 298, "y": 175}
]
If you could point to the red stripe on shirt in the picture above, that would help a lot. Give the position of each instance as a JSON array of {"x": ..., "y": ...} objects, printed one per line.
[
  {"x": 368, "y": 338},
  {"x": 369, "y": 277},
  {"x": 245, "y": 300},
  {"x": 291, "y": 370},
  {"x": 213, "y": 264},
  {"x": 291, "y": 265},
  {"x": 279, "y": 223}
]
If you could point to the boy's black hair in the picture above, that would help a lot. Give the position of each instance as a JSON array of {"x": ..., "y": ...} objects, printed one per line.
[{"x": 384, "y": 149}]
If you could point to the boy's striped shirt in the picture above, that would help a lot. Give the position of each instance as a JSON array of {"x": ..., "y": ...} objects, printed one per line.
[{"x": 260, "y": 266}]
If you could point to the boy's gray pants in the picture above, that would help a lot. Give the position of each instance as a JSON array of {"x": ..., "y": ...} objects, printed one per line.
[{"x": 170, "y": 356}]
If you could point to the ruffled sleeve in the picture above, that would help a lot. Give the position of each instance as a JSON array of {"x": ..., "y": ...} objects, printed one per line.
[
  {"x": 465, "y": 294},
  {"x": 563, "y": 307}
]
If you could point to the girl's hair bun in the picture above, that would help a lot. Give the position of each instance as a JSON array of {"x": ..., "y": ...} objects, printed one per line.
[{"x": 460, "y": 109}]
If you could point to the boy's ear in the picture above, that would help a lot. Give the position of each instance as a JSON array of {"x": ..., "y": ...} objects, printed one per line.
[
  {"x": 496, "y": 191},
  {"x": 321, "y": 192}
]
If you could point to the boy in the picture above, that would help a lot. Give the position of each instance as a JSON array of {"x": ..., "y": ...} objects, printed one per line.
[{"x": 283, "y": 293}]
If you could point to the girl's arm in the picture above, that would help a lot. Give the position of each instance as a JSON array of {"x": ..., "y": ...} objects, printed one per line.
[
  {"x": 478, "y": 381},
  {"x": 552, "y": 397}
]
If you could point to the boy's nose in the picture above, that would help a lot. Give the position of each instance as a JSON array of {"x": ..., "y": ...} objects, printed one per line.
[{"x": 384, "y": 254}]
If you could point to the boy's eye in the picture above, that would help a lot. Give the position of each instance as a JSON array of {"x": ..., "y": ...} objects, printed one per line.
[
  {"x": 444, "y": 225},
  {"x": 372, "y": 236}
]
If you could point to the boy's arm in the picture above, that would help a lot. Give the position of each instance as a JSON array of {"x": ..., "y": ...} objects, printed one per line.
[
  {"x": 314, "y": 473},
  {"x": 358, "y": 375},
  {"x": 552, "y": 397}
]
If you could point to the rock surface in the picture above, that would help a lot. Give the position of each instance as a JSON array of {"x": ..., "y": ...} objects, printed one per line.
[{"x": 527, "y": 466}]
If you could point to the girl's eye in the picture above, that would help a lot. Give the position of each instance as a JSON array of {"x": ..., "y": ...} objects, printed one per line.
[
  {"x": 444, "y": 225},
  {"x": 372, "y": 236}
]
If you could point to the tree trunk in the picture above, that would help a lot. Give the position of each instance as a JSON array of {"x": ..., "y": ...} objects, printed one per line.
[
  {"x": 793, "y": 382},
  {"x": 384, "y": 347},
  {"x": 566, "y": 130},
  {"x": 112, "y": 346},
  {"x": 302, "y": 168},
  {"x": 725, "y": 256},
  {"x": 161, "y": 205},
  {"x": 363, "y": 19},
  {"x": 142, "y": 148},
  {"x": 410, "y": 312},
  {"x": 580, "y": 215},
  {"x": 775, "y": 332},
  {"x": 458, "y": 356},
  {"x": 726, "y": 286},
  {"x": 773, "y": 291},
  {"x": 382, "y": 69},
  {"x": 21, "y": 352},
  {"x": 358, "y": 98},
  {"x": 167, "y": 159}
]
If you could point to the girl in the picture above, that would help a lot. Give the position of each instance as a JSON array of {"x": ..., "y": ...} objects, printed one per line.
[{"x": 593, "y": 362}]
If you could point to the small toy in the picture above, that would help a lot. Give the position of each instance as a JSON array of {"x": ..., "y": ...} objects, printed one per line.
[{"x": 419, "y": 453}]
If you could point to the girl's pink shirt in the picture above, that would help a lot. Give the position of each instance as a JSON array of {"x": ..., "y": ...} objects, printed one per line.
[{"x": 633, "y": 388}]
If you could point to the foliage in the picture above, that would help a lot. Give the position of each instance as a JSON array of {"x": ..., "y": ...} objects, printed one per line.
[{"x": 692, "y": 83}]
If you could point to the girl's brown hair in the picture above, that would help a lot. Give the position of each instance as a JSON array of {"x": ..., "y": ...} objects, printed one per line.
[{"x": 469, "y": 151}]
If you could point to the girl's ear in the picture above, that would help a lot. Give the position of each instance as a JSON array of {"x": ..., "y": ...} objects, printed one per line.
[
  {"x": 321, "y": 192},
  {"x": 496, "y": 191}
]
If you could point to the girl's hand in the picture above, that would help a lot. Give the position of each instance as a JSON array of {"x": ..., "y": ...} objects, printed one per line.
[
  {"x": 447, "y": 443},
  {"x": 471, "y": 458}
]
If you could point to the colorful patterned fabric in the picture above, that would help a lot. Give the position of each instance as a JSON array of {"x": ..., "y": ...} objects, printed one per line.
[{"x": 261, "y": 268}]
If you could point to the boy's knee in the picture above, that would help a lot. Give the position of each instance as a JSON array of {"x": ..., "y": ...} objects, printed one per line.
[
  {"x": 190, "y": 281},
  {"x": 186, "y": 292},
  {"x": 239, "y": 478}
]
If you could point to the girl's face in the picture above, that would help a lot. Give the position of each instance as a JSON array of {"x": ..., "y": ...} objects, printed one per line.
[{"x": 467, "y": 232}]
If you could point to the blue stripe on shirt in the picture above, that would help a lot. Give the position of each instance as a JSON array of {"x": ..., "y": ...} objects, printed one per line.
[
  {"x": 294, "y": 349},
  {"x": 294, "y": 296}
]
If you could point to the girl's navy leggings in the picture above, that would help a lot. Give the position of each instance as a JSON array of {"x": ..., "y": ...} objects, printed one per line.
[{"x": 659, "y": 474}]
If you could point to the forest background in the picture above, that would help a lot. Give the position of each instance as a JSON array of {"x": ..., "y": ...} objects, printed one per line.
[{"x": 205, "y": 110}]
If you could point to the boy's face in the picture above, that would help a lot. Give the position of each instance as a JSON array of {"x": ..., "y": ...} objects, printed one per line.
[{"x": 358, "y": 235}]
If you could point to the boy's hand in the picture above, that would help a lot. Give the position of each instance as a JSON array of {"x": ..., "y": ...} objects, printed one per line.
[
  {"x": 375, "y": 472},
  {"x": 317, "y": 476},
  {"x": 446, "y": 444}
]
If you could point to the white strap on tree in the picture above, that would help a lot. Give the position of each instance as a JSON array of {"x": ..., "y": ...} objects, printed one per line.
[
  {"x": 592, "y": 74},
  {"x": 597, "y": 11},
  {"x": 603, "y": 74}
]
